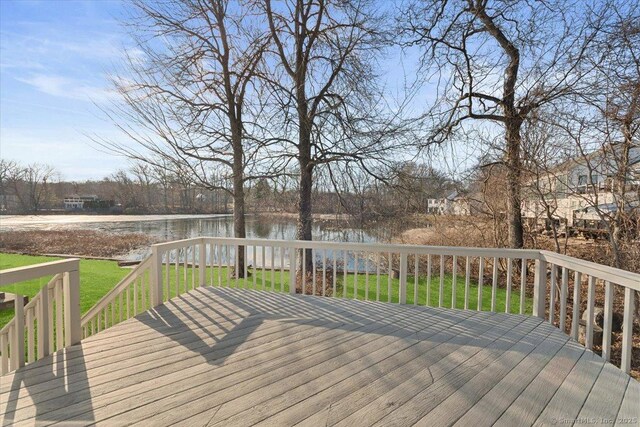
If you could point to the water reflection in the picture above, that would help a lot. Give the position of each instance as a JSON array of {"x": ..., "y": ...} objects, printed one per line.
[{"x": 168, "y": 229}]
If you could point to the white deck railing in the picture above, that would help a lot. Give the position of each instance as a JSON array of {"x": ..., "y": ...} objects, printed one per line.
[
  {"x": 49, "y": 322},
  {"x": 530, "y": 282}
]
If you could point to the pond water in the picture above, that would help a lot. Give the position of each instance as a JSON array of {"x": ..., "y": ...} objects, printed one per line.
[{"x": 175, "y": 227}]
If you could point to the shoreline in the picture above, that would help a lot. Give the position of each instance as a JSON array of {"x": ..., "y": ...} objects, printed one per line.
[{"x": 28, "y": 221}]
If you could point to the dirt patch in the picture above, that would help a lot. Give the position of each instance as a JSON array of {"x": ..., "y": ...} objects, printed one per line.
[{"x": 72, "y": 242}]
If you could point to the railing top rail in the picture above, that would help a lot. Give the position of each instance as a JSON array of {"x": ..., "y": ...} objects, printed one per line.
[
  {"x": 104, "y": 301},
  {"x": 614, "y": 275},
  {"x": 28, "y": 272},
  {"x": 604, "y": 272},
  {"x": 175, "y": 244},
  {"x": 371, "y": 247}
]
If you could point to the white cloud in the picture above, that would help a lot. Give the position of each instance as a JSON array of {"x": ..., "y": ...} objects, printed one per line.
[{"x": 67, "y": 87}]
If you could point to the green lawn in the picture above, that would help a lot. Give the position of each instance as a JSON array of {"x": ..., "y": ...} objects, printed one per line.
[
  {"x": 98, "y": 277},
  {"x": 259, "y": 280}
]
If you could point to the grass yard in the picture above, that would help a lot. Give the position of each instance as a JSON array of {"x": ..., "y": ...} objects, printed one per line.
[
  {"x": 96, "y": 279},
  {"x": 365, "y": 286}
]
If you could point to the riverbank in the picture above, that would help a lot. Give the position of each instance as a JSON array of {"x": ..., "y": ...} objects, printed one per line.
[
  {"x": 84, "y": 243},
  {"x": 44, "y": 222}
]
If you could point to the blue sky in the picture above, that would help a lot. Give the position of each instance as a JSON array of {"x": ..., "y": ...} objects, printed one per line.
[{"x": 55, "y": 57}]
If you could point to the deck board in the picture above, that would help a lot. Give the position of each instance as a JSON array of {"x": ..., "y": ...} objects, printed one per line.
[{"x": 219, "y": 356}]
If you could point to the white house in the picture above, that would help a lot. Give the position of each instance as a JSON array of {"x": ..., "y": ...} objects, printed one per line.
[
  {"x": 577, "y": 186},
  {"x": 76, "y": 202}
]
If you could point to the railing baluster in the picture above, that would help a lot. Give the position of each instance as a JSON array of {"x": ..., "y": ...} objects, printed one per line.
[
  {"x": 344, "y": 286},
  {"x": 246, "y": 267},
  {"x": 335, "y": 273},
  {"x": 608, "y": 319},
  {"x": 304, "y": 271},
  {"x": 135, "y": 297},
  {"x": 480, "y": 282},
  {"x": 576, "y": 305},
  {"x": 4, "y": 353},
  {"x": 143, "y": 296},
  {"x": 282, "y": 269},
  {"x": 402, "y": 290},
  {"x": 324, "y": 272},
  {"x": 292, "y": 271},
  {"x": 467, "y": 282},
  {"x": 263, "y": 268},
  {"x": 627, "y": 329},
  {"x": 366, "y": 273},
  {"x": 113, "y": 313},
  {"x": 59, "y": 319},
  {"x": 194, "y": 264},
  {"x": 591, "y": 295},
  {"x": 564, "y": 289},
  {"x": 255, "y": 266},
  {"x": 355, "y": 275},
  {"x": 273, "y": 266},
  {"x": 167, "y": 284},
  {"x": 552, "y": 295},
  {"x": 378, "y": 276},
  {"x": 313, "y": 272},
  {"x": 202, "y": 264},
  {"x": 507, "y": 306},
  {"x": 229, "y": 264},
  {"x": 441, "y": 287},
  {"x": 454, "y": 281},
  {"x": 186, "y": 270},
  {"x": 219, "y": 252},
  {"x": 177, "y": 267},
  {"x": 212, "y": 263},
  {"x": 390, "y": 270},
  {"x": 43, "y": 323},
  {"x": 51, "y": 297},
  {"x": 494, "y": 284},
  {"x": 428, "y": 280},
  {"x": 416, "y": 278},
  {"x": 523, "y": 284},
  {"x": 31, "y": 357}
]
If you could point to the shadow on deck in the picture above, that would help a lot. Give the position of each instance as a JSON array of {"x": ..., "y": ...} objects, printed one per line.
[{"x": 242, "y": 357}]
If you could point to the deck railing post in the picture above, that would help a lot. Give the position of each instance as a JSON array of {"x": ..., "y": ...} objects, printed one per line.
[
  {"x": 292, "y": 271},
  {"x": 627, "y": 329},
  {"x": 43, "y": 323},
  {"x": 71, "y": 295},
  {"x": 403, "y": 279},
  {"x": 540, "y": 288},
  {"x": 156, "y": 277}
]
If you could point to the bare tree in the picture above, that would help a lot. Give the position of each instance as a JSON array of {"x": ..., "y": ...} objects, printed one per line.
[
  {"x": 498, "y": 61},
  {"x": 32, "y": 185},
  {"x": 186, "y": 95},
  {"x": 592, "y": 148},
  {"x": 324, "y": 90}
]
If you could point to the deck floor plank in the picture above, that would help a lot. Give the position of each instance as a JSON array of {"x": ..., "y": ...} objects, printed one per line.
[
  {"x": 491, "y": 405},
  {"x": 221, "y": 356},
  {"x": 118, "y": 402}
]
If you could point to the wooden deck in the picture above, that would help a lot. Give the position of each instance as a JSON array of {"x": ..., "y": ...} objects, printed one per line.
[{"x": 242, "y": 357}]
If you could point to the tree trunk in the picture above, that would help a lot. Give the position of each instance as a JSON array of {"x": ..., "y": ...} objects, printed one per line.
[
  {"x": 239, "y": 230},
  {"x": 514, "y": 170},
  {"x": 305, "y": 219}
]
